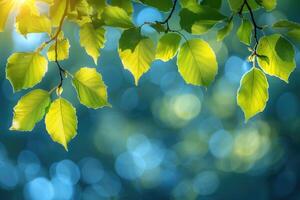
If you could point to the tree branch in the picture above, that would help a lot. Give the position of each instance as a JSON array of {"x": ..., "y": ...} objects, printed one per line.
[
  {"x": 256, "y": 27},
  {"x": 62, "y": 71},
  {"x": 166, "y": 21}
]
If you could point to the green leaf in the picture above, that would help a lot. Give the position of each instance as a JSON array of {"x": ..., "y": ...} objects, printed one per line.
[
  {"x": 285, "y": 24},
  {"x": 269, "y": 5},
  {"x": 92, "y": 39},
  {"x": 197, "y": 62},
  {"x": 225, "y": 31},
  {"x": 188, "y": 3},
  {"x": 236, "y": 5},
  {"x": 291, "y": 29},
  {"x": 61, "y": 122},
  {"x": 253, "y": 93},
  {"x": 90, "y": 88},
  {"x": 30, "y": 109},
  {"x": 124, "y": 4},
  {"x": 116, "y": 17},
  {"x": 199, "y": 19},
  {"x": 25, "y": 70},
  {"x": 130, "y": 38},
  {"x": 164, "y": 5},
  {"x": 244, "y": 32},
  {"x": 212, "y": 3},
  {"x": 6, "y": 7},
  {"x": 281, "y": 56},
  {"x": 63, "y": 47},
  {"x": 138, "y": 61},
  {"x": 168, "y": 46}
]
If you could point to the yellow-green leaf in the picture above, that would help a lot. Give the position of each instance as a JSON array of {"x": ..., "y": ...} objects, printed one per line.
[
  {"x": 63, "y": 47},
  {"x": 56, "y": 12},
  {"x": 244, "y": 32},
  {"x": 25, "y": 70},
  {"x": 90, "y": 88},
  {"x": 92, "y": 39},
  {"x": 197, "y": 62},
  {"x": 253, "y": 93},
  {"x": 281, "y": 56},
  {"x": 125, "y": 4},
  {"x": 198, "y": 19},
  {"x": 235, "y": 5},
  {"x": 29, "y": 20},
  {"x": 269, "y": 5},
  {"x": 139, "y": 60},
  {"x": 168, "y": 46},
  {"x": 6, "y": 7},
  {"x": 225, "y": 31},
  {"x": 116, "y": 17},
  {"x": 61, "y": 122},
  {"x": 30, "y": 110}
]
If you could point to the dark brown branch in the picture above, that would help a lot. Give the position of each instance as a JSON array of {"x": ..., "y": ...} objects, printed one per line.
[
  {"x": 256, "y": 26},
  {"x": 166, "y": 21},
  {"x": 62, "y": 71}
]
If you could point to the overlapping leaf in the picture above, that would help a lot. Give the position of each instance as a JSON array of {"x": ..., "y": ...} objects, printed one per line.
[
  {"x": 92, "y": 39},
  {"x": 281, "y": 55},
  {"x": 168, "y": 46}
]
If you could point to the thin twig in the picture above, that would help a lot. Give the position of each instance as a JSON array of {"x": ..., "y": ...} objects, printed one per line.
[
  {"x": 166, "y": 21},
  {"x": 62, "y": 71},
  {"x": 256, "y": 27},
  {"x": 171, "y": 13}
]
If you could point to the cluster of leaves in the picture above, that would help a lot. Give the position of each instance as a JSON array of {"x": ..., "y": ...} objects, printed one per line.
[{"x": 196, "y": 60}]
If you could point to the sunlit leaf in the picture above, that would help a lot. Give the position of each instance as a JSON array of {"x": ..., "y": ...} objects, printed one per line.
[
  {"x": 225, "y": 31},
  {"x": 90, "y": 88},
  {"x": 130, "y": 38},
  {"x": 124, "y": 4},
  {"x": 139, "y": 60},
  {"x": 61, "y": 122},
  {"x": 6, "y": 7},
  {"x": 253, "y": 93},
  {"x": 268, "y": 4},
  {"x": 57, "y": 11},
  {"x": 236, "y": 5},
  {"x": 244, "y": 32},
  {"x": 197, "y": 62},
  {"x": 188, "y": 3},
  {"x": 116, "y": 17},
  {"x": 92, "y": 39},
  {"x": 30, "y": 110},
  {"x": 199, "y": 19},
  {"x": 30, "y": 21},
  {"x": 63, "y": 47},
  {"x": 168, "y": 46},
  {"x": 281, "y": 56},
  {"x": 25, "y": 70}
]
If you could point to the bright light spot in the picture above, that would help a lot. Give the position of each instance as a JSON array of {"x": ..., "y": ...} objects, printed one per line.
[{"x": 187, "y": 106}]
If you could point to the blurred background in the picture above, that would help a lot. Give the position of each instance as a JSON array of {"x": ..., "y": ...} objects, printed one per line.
[{"x": 163, "y": 139}]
